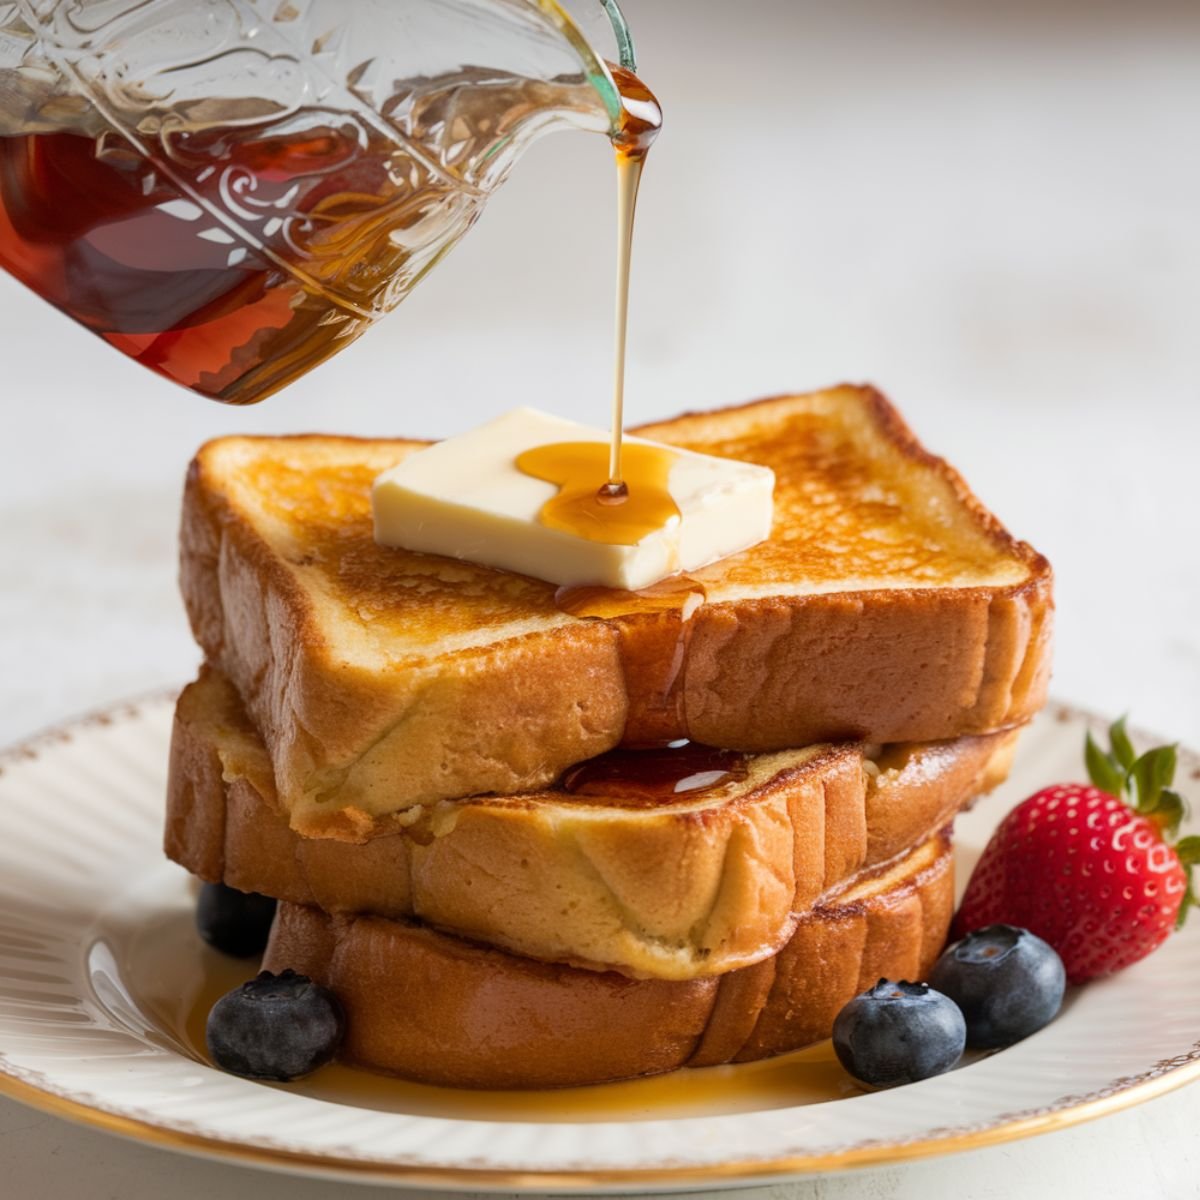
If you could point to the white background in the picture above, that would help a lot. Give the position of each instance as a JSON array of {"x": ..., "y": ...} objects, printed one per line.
[{"x": 990, "y": 211}]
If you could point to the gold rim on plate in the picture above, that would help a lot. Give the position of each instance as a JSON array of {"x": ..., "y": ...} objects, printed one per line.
[{"x": 1158, "y": 1081}]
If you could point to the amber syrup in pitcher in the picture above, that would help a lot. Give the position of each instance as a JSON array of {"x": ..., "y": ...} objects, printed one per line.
[
  {"x": 234, "y": 258},
  {"x": 100, "y": 232}
]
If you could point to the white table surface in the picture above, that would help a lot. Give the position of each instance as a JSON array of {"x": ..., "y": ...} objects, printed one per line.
[{"x": 991, "y": 211}]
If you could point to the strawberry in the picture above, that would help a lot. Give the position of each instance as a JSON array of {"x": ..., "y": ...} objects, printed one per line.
[{"x": 1100, "y": 879}]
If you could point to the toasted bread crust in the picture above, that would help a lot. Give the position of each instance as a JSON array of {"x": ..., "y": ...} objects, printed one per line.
[
  {"x": 760, "y": 672},
  {"x": 888, "y": 419},
  {"x": 674, "y": 892},
  {"x": 765, "y": 673},
  {"x": 434, "y": 1008},
  {"x": 503, "y": 718}
]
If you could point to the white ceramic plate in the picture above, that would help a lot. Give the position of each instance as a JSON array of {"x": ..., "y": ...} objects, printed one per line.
[{"x": 103, "y": 987}]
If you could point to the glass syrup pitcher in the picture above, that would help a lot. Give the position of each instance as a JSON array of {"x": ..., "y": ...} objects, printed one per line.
[{"x": 230, "y": 191}]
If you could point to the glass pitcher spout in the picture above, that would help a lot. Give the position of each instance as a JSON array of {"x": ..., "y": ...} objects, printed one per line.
[{"x": 230, "y": 191}]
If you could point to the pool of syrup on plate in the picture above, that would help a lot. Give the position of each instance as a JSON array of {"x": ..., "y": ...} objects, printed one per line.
[{"x": 807, "y": 1076}]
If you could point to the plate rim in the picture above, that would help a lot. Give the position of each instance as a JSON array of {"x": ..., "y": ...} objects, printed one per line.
[
  {"x": 1162, "y": 1078},
  {"x": 1065, "y": 1112}
]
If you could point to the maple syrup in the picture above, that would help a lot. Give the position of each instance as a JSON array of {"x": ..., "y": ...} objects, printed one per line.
[
  {"x": 234, "y": 258},
  {"x": 589, "y": 504},
  {"x": 639, "y": 125},
  {"x": 102, "y": 234},
  {"x": 653, "y": 643},
  {"x": 616, "y": 494},
  {"x": 645, "y": 778},
  {"x": 676, "y": 594}
]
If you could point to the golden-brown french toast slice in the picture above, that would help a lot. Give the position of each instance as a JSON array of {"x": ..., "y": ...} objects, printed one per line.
[
  {"x": 438, "y": 1009},
  {"x": 887, "y": 606},
  {"x": 697, "y": 885}
]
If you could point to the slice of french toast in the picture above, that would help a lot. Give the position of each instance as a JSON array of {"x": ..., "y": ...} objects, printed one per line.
[
  {"x": 438, "y": 1009},
  {"x": 887, "y": 606},
  {"x": 693, "y": 886}
]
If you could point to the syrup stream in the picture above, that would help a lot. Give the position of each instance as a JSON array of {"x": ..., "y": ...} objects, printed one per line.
[
  {"x": 629, "y": 176},
  {"x": 641, "y": 119}
]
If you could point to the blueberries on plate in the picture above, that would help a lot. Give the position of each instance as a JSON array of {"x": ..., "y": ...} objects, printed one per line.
[
  {"x": 899, "y": 1033},
  {"x": 276, "y": 1027},
  {"x": 1007, "y": 981},
  {"x": 236, "y": 923}
]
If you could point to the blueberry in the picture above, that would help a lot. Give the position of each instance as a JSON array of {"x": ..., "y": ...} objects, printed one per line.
[
  {"x": 1007, "y": 981},
  {"x": 275, "y": 1027},
  {"x": 899, "y": 1033},
  {"x": 236, "y": 923}
]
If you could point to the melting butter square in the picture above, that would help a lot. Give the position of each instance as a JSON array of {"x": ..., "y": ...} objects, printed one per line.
[{"x": 465, "y": 498}]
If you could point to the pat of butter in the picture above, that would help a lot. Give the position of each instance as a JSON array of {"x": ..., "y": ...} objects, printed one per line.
[{"x": 465, "y": 498}]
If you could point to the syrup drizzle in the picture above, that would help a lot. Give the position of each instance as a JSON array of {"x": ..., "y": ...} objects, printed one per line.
[
  {"x": 670, "y": 595},
  {"x": 589, "y": 505},
  {"x": 653, "y": 646},
  {"x": 615, "y": 494},
  {"x": 641, "y": 119},
  {"x": 637, "y": 778}
]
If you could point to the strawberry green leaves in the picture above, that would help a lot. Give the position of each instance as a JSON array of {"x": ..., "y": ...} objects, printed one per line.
[
  {"x": 1120, "y": 772},
  {"x": 1188, "y": 850},
  {"x": 1151, "y": 774},
  {"x": 1122, "y": 748},
  {"x": 1104, "y": 770},
  {"x": 1146, "y": 781},
  {"x": 1168, "y": 813}
]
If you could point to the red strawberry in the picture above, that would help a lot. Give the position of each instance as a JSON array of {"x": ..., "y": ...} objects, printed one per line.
[{"x": 1097, "y": 879}]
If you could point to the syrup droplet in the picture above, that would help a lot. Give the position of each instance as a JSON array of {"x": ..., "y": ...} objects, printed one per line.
[
  {"x": 653, "y": 648},
  {"x": 613, "y": 493},
  {"x": 637, "y": 778}
]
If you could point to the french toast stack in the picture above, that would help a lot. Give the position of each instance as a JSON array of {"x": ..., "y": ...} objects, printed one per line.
[{"x": 536, "y": 842}]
